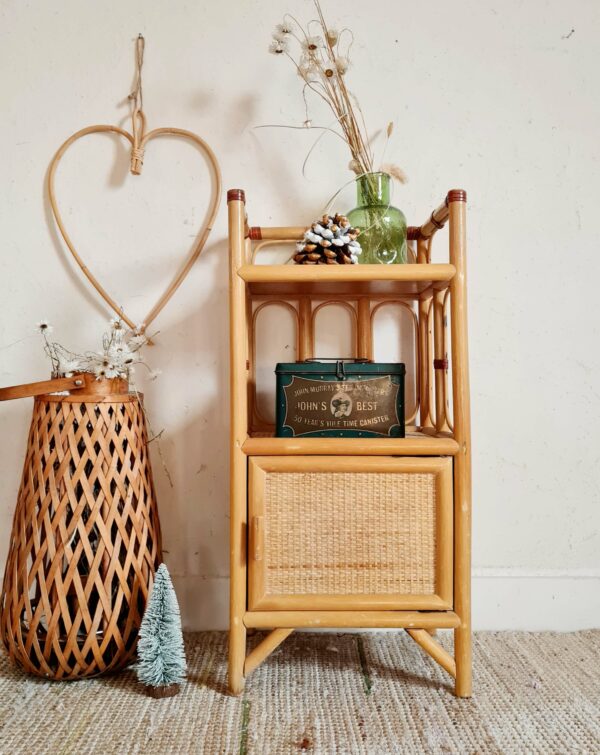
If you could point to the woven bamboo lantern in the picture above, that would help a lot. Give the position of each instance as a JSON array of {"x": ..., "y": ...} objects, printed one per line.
[{"x": 85, "y": 539}]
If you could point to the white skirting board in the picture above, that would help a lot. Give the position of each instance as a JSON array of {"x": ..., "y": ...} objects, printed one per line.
[
  {"x": 503, "y": 598},
  {"x": 536, "y": 600}
]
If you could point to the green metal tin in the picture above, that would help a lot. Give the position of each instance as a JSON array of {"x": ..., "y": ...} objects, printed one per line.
[{"x": 341, "y": 398}]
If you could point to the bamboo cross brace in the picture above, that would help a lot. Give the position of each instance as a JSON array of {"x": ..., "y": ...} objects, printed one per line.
[
  {"x": 272, "y": 641},
  {"x": 434, "y": 649}
]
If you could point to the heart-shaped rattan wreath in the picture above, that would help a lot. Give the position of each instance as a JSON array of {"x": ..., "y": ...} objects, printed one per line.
[{"x": 139, "y": 139}]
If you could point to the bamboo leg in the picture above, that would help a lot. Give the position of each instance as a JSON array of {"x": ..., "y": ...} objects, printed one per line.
[
  {"x": 237, "y": 654},
  {"x": 463, "y": 655},
  {"x": 265, "y": 648},
  {"x": 462, "y": 434},
  {"x": 431, "y": 647},
  {"x": 239, "y": 366}
]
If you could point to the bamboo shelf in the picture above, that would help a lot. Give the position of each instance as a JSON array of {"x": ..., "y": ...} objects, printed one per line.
[
  {"x": 353, "y": 532},
  {"x": 414, "y": 444},
  {"x": 287, "y": 280}
]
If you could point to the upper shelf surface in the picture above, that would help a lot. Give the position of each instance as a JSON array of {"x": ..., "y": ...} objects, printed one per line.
[{"x": 410, "y": 279}]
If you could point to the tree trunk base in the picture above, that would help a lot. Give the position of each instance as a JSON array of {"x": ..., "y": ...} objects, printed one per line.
[{"x": 159, "y": 692}]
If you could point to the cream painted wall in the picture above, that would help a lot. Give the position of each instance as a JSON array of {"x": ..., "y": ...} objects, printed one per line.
[{"x": 498, "y": 98}]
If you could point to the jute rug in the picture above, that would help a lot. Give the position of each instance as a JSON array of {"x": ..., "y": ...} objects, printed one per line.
[{"x": 326, "y": 694}]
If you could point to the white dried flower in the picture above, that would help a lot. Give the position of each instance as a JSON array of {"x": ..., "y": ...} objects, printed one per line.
[
  {"x": 118, "y": 352},
  {"x": 342, "y": 64},
  {"x": 354, "y": 166},
  {"x": 282, "y": 30},
  {"x": 332, "y": 36},
  {"x": 137, "y": 341},
  {"x": 44, "y": 327},
  {"x": 115, "y": 360},
  {"x": 122, "y": 361},
  {"x": 307, "y": 67},
  {"x": 67, "y": 367},
  {"x": 278, "y": 46},
  {"x": 153, "y": 374},
  {"x": 310, "y": 44},
  {"x": 101, "y": 360}
]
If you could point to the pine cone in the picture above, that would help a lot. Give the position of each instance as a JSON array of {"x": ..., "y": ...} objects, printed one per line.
[{"x": 329, "y": 241}]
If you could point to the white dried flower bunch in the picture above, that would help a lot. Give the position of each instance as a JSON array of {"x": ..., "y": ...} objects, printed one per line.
[
  {"x": 321, "y": 56},
  {"x": 329, "y": 241},
  {"x": 119, "y": 355}
]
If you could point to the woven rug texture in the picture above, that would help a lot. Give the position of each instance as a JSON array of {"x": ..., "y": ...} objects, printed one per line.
[{"x": 328, "y": 694}]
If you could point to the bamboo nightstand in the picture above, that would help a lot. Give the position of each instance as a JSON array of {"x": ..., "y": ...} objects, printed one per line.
[{"x": 353, "y": 532}]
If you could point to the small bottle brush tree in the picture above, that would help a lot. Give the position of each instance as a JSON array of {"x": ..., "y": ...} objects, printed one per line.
[{"x": 161, "y": 658}]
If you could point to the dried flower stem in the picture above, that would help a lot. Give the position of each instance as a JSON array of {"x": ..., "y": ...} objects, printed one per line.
[
  {"x": 322, "y": 66},
  {"x": 344, "y": 107}
]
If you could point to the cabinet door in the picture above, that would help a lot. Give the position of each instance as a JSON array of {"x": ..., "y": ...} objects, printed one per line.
[{"x": 339, "y": 532}]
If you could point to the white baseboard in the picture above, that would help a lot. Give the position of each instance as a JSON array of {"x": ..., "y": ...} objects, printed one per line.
[
  {"x": 536, "y": 600},
  {"x": 503, "y": 598}
]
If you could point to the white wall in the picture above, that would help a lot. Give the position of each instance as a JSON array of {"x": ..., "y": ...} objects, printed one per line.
[{"x": 496, "y": 98}]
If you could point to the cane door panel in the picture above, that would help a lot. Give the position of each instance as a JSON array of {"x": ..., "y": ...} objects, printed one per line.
[{"x": 346, "y": 533}]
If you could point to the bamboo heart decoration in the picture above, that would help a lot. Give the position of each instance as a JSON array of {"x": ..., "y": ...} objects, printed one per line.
[{"x": 138, "y": 140}]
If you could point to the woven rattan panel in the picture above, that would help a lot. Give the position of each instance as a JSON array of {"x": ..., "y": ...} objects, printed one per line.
[{"x": 350, "y": 533}]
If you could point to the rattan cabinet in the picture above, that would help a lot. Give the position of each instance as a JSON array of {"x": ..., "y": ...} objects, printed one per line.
[{"x": 353, "y": 532}]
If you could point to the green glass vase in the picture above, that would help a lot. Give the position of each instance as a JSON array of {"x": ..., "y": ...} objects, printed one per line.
[{"x": 382, "y": 227}]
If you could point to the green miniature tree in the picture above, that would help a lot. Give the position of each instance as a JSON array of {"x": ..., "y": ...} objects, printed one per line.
[{"x": 161, "y": 657}]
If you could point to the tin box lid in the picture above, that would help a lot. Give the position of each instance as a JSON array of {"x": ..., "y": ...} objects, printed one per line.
[{"x": 331, "y": 367}]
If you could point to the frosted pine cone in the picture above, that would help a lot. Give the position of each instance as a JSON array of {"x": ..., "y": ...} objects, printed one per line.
[{"x": 329, "y": 241}]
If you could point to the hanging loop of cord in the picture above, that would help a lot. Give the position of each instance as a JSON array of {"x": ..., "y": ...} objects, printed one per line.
[{"x": 138, "y": 119}]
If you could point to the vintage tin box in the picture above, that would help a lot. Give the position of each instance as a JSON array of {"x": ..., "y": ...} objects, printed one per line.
[{"x": 340, "y": 397}]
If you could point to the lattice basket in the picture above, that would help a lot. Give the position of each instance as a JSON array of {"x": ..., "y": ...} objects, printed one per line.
[{"x": 85, "y": 539}]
